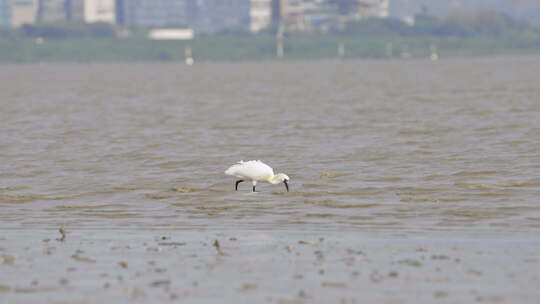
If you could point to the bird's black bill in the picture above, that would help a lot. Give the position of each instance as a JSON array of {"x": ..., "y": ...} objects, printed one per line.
[{"x": 286, "y": 185}]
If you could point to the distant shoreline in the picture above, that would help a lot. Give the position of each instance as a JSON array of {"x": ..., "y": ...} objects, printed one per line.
[{"x": 236, "y": 48}]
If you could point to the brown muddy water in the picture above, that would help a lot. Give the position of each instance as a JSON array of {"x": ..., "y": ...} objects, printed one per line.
[{"x": 411, "y": 182}]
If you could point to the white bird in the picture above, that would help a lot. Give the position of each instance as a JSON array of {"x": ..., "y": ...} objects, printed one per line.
[{"x": 256, "y": 171}]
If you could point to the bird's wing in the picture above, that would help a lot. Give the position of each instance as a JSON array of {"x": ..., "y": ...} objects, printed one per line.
[{"x": 253, "y": 169}]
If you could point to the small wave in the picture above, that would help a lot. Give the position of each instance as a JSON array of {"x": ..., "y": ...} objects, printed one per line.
[
  {"x": 20, "y": 198},
  {"x": 108, "y": 213},
  {"x": 186, "y": 189},
  {"x": 332, "y": 175},
  {"x": 491, "y": 194},
  {"x": 336, "y": 193},
  {"x": 428, "y": 200},
  {"x": 157, "y": 196},
  {"x": 331, "y": 204},
  {"x": 413, "y": 191},
  {"x": 501, "y": 185},
  {"x": 477, "y": 185},
  {"x": 472, "y": 213},
  {"x": 416, "y": 132},
  {"x": 320, "y": 215},
  {"x": 217, "y": 208},
  {"x": 180, "y": 204},
  {"x": 114, "y": 190},
  {"x": 14, "y": 188},
  {"x": 519, "y": 208},
  {"x": 170, "y": 165},
  {"x": 519, "y": 184},
  {"x": 314, "y": 186},
  {"x": 387, "y": 179},
  {"x": 80, "y": 207},
  {"x": 474, "y": 173}
]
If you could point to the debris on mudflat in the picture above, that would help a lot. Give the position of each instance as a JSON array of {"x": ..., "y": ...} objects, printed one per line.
[
  {"x": 320, "y": 256},
  {"x": 172, "y": 244},
  {"x": 248, "y": 286},
  {"x": 4, "y": 288},
  {"x": 9, "y": 259},
  {"x": 410, "y": 262},
  {"x": 334, "y": 284},
  {"x": 77, "y": 257},
  {"x": 162, "y": 283},
  {"x": 62, "y": 233},
  {"x": 440, "y": 294},
  {"x": 218, "y": 247},
  {"x": 375, "y": 277},
  {"x": 349, "y": 261}
]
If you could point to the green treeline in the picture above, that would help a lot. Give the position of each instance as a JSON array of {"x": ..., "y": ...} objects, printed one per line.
[
  {"x": 461, "y": 33},
  {"x": 456, "y": 24}
]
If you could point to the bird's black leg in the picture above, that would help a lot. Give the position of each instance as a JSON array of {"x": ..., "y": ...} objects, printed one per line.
[
  {"x": 253, "y": 188},
  {"x": 236, "y": 185}
]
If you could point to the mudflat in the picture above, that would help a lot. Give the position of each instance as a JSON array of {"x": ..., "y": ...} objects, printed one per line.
[{"x": 411, "y": 181}]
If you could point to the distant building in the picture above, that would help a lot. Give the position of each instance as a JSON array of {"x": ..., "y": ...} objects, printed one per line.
[
  {"x": 321, "y": 15},
  {"x": 308, "y": 15},
  {"x": 23, "y": 12},
  {"x": 260, "y": 15},
  {"x": 220, "y": 15},
  {"x": 5, "y": 14},
  {"x": 99, "y": 11},
  {"x": 152, "y": 13},
  {"x": 373, "y": 9},
  {"x": 52, "y": 11},
  {"x": 200, "y": 15}
]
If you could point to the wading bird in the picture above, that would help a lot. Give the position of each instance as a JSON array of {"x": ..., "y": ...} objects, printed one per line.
[{"x": 256, "y": 171}]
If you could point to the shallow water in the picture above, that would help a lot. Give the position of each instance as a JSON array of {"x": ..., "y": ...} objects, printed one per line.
[
  {"x": 411, "y": 181},
  {"x": 399, "y": 145}
]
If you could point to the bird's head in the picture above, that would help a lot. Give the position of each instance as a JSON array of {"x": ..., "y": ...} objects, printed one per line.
[{"x": 281, "y": 178}]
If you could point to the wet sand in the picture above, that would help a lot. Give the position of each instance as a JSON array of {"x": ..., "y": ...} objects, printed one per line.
[{"x": 129, "y": 266}]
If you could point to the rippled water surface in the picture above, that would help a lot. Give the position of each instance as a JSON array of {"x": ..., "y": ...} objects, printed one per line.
[{"x": 400, "y": 145}]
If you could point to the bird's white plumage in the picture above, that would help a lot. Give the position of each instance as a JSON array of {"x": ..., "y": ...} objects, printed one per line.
[{"x": 254, "y": 170}]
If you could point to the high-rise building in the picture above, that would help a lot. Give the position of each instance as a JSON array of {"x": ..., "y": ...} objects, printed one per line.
[
  {"x": 152, "y": 13},
  {"x": 200, "y": 15},
  {"x": 260, "y": 14},
  {"x": 308, "y": 15},
  {"x": 90, "y": 11},
  {"x": 23, "y": 12},
  {"x": 373, "y": 8},
  {"x": 99, "y": 11},
  {"x": 219, "y": 15},
  {"x": 75, "y": 10},
  {"x": 5, "y": 14},
  {"x": 52, "y": 11}
]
